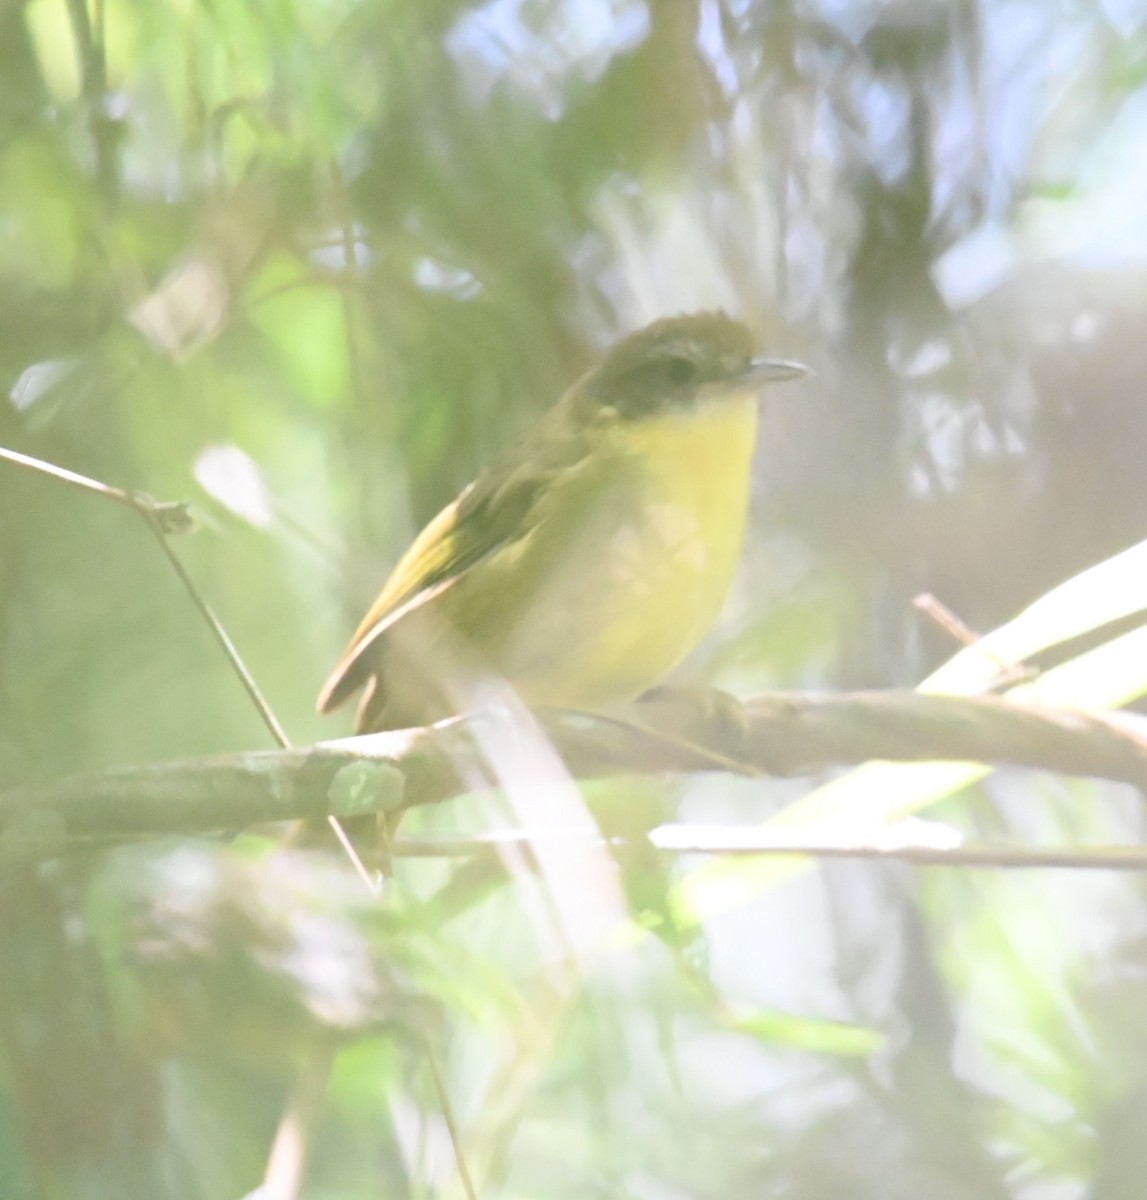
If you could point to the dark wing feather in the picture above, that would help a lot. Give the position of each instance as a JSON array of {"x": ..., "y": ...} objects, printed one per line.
[{"x": 493, "y": 512}]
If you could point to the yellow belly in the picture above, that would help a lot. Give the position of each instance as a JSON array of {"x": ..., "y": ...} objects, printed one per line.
[{"x": 647, "y": 580}]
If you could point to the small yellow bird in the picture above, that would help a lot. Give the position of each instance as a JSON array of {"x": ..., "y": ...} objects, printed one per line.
[{"x": 592, "y": 555}]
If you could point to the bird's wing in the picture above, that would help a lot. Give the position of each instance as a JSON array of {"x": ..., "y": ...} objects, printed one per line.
[{"x": 499, "y": 508}]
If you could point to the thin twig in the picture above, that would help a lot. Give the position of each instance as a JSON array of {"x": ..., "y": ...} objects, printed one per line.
[
  {"x": 164, "y": 518},
  {"x": 675, "y": 741},
  {"x": 451, "y": 1124},
  {"x": 370, "y": 881},
  {"x": 221, "y": 635},
  {"x": 961, "y": 632},
  {"x": 177, "y": 514},
  {"x": 492, "y": 845},
  {"x": 944, "y": 618},
  {"x": 681, "y": 840}
]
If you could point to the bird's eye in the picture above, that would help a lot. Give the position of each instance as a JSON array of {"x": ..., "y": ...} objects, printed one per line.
[{"x": 680, "y": 370}]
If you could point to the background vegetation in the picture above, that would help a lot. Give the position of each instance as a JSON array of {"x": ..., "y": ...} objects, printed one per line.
[{"x": 308, "y": 263}]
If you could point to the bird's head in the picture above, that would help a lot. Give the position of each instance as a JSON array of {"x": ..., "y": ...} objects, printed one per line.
[{"x": 678, "y": 364}]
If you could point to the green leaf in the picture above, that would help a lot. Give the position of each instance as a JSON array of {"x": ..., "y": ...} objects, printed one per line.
[
  {"x": 1106, "y": 677},
  {"x": 809, "y": 1033}
]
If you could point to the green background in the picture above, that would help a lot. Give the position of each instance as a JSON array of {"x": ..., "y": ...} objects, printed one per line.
[{"x": 308, "y": 264}]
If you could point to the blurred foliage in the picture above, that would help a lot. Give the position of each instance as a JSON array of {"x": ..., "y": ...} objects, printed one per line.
[{"x": 308, "y": 264}]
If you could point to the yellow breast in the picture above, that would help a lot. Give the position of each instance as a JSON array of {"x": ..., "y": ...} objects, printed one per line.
[{"x": 636, "y": 601}]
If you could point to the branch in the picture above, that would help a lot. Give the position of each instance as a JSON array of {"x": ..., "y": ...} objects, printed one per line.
[
  {"x": 163, "y": 518},
  {"x": 744, "y": 841},
  {"x": 780, "y": 734}
]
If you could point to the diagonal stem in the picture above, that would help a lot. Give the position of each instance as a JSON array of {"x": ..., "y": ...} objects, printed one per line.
[{"x": 164, "y": 518}]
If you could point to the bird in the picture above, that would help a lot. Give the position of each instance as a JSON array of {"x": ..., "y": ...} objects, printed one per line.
[{"x": 590, "y": 556}]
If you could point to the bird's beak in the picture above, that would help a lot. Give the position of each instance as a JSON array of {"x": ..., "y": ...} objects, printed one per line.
[{"x": 773, "y": 370}]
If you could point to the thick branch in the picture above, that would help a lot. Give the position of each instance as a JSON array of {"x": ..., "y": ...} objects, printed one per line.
[{"x": 777, "y": 734}]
